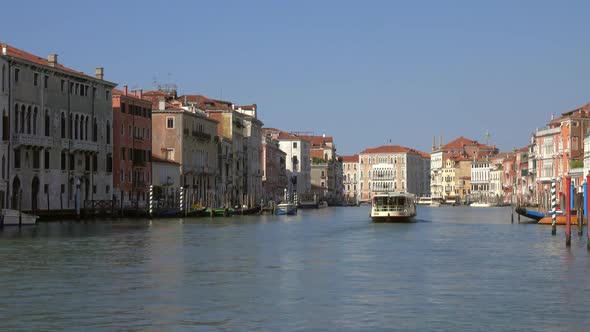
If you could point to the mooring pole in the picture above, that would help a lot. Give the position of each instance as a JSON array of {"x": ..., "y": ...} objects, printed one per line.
[
  {"x": 580, "y": 215},
  {"x": 568, "y": 211},
  {"x": 553, "y": 208},
  {"x": 151, "y": 201}
]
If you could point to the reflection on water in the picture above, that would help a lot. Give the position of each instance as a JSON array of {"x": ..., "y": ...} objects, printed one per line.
[{"x": 455, "y": 268}]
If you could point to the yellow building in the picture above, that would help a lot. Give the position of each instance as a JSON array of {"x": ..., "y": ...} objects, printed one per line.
[{"x": 456, "y": 176}]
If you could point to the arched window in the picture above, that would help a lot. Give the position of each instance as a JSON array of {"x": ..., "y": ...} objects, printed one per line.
[
  {"x": 63, "y": 125},
  {"x": 29, "y": 115},
  {"x": 71, "y": 127},
  {"x": 108, "y": 132},
  {"x": 94, "y": 130},
  {"x": 76, "y": 127},
  {"x": 35, "y": 114},
  {"x": 47, "y": 122},
  {"x": 23, "y": 111},
  {"x": 86, "y": 128},
  {"x": 16, "y": 118},
  {"x": 5, "y": 126},
  {"x": 82, "y": 127}
]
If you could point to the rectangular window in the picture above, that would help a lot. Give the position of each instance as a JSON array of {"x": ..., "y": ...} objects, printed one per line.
[
  {"x": 16, "y": 74},
  {"x": 46, "y": 188},
  {"x": 170, "y": 123},
  {"x": 63, "y": 161},
  {"x": 94, "y": 162},
  {"x": 63, "y": 188},
  {"x": 294, "y": 145},
  {"x": 94, "y": 189},
  {"x": 16, "y": 158},
  {"x": 109, "y": 163},
  {"x": 36, "y": 79},
  {"x": 72, "y": 162},
  {"x": 107, "y": 189},
  {"x": 46, "y": 159},
  {"x": 123, "y": 108},
  {"x": 36, "y": 161},
  {"x": 46, "y": 82},
  {"x": 107, "y": 95},
  {"x": 122, "y": 153},
  {"x": 63, "y": 85},
  {"x": 122, "y": 130}
]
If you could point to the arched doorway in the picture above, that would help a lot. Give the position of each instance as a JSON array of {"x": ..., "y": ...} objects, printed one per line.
[
  {"x": 15, "y": 193},
  {"x": 35, "y": 194}
]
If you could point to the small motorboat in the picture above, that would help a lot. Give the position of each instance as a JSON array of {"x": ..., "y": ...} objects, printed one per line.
[
  {"x": 248, "y": 211},
  {"x": 531, "y": 214},
  {"x": 286, "y": 209},
  {"x": 10, "y": 217},
  {"x": 219, "y": 212}
]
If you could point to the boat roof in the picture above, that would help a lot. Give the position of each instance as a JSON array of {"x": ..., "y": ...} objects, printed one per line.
[{"x": 395, "y": 193}]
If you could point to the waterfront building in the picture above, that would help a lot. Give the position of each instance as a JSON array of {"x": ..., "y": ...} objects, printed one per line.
[
  {"x": 166, "y": 181},
  {"x": 393, "y": 168},
  {"x": 496, "y": 184},
  {"x": 56, "y": 133},
  {"x": 298, "y": 159},
  {"x": 461, "y": 146},
  {"x": 326, "y": 168},
  {"x": 350, "y": 166},
  {"x": 559, "y": 149},
  {"x": 240, "y": 126},
  {"x": 132, "y": 125},
  {"x": 480, "y": 181},
  {"x": 189, "y": 138},
  {"x": 274, "y": 168}
]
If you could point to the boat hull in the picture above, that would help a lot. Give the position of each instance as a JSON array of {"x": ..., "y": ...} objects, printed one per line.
[
  {"x": 286, "y": 209},
  {"x": 393, "y": 219},
  {"x": 560, "y": 220},
  {"x": 16, "y": 218}
]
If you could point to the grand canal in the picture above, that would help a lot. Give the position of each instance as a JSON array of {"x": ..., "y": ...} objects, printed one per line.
[{"x": 454, "y": 269}]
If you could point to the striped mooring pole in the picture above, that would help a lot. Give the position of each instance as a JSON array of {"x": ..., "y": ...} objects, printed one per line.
[
  {"x": 151, "y": 200},
  {"x": 553, "y": 208},
  {"x": 181, "y": 198}
]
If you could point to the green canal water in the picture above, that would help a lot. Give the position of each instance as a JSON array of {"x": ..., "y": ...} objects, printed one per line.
[{"x": 455, "y": 269}]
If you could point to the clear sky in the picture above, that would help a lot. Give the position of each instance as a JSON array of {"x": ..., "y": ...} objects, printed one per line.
[{"x": 365, "y": 72}]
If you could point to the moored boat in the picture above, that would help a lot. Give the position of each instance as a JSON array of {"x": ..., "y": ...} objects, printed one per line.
[
  {"x": 392, "y": 207},
  {"x": 248, "y": 211},
  {"x": 286, "y": 209},
  {"x": 534, "y": 215},
  {"x": 219, "y": 212},
  {"x": 10, "y": 217},
  {"x": 426, "y": 200},
  {"x": 480, "y": 204}
]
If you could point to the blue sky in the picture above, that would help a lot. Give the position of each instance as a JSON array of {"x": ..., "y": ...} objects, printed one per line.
[{"x": 365, "y": 72}]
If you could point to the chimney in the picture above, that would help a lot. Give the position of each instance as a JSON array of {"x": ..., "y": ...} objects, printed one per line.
[
  {"x": 99, "y": 73},
  {"x": 140, "y": 93},
  {"x": 52, "y": 59},
  {"x": 4, "y": 49},
  {"x": 133, "y": 92},
  {"x": 162, "y": 105},
  {"x": 125, "y": 90}
]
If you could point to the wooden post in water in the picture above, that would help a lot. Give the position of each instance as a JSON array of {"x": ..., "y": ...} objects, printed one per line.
[
  {"x": 568, "y": 211},
  {"x": 580, "y": 210},
  {"x": 553, "y": 208}
]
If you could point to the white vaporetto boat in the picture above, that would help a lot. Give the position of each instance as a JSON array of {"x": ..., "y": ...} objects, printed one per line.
[
  {"x": 11, "y": 217},
  {"x": 392, "y": 207},
  {"x": 480, "y": 204}
]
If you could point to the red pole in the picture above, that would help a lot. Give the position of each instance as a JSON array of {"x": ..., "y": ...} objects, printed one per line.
[{"x": 568, "y": 212}]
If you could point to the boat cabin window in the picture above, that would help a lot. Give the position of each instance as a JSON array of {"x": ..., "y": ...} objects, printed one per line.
[{"x": 396, "y": 200}]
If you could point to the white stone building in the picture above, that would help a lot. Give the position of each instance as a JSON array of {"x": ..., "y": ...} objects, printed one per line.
[
  {"x": 480, "y": 181},
  {"x": 56, "y": 133},
  {"x": 393, "y": 167}
]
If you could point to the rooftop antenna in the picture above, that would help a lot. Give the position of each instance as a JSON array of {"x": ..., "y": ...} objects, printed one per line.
[{"x": 488, "y": 137}]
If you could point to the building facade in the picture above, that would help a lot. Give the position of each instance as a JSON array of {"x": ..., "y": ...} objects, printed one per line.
[
  {"x": 132, "y": 149},
  {"x": 57, "y": 139},
  {"x": 393, "y": 168},
  {"x": 274, "y": 168},
  {"x": 350, "y": 179}
]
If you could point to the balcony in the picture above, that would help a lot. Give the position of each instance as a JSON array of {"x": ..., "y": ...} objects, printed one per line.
[
  {"x": 201, "y": 136},
  {"x": 19, "y": 140},
  {"x": 80, "y": 146}
]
